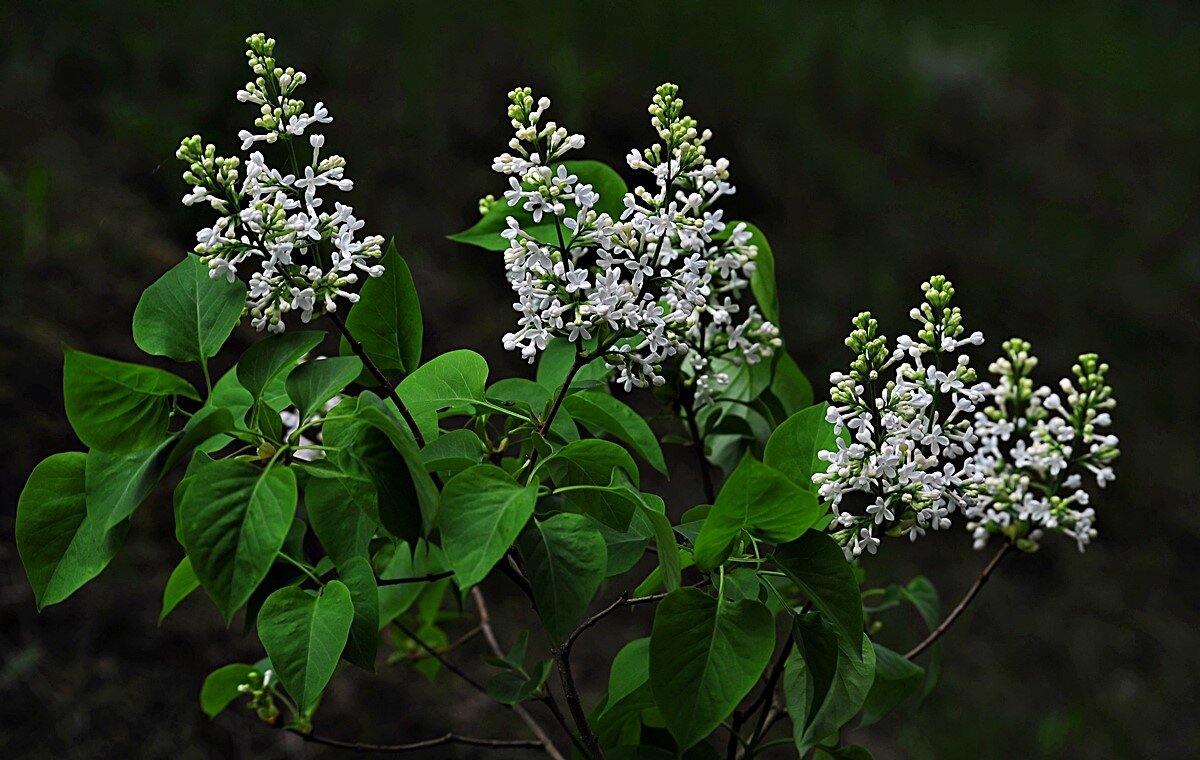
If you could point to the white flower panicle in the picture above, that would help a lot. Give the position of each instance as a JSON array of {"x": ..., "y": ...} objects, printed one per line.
[
  {"x": 306, "y": 254},
  {"x": 644, "y": 287},
  {"x": 1036, "y": 447},
  {"x": 908, "y": 413}
]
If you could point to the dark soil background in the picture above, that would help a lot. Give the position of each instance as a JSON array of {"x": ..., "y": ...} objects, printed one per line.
[{"x": 1044, "y": 156}]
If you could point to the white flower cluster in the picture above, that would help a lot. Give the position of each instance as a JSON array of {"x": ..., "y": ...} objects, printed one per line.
[
  {"x": 307, "y": 253},
  {"x": 641, "y": 288},
  {"x": 911, "y": 437},
  {"x": 1035, "y": 448}
]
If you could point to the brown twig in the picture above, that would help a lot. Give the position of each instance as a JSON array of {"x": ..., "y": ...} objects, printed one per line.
[
  {"x": 439, "y": 741},
  {"x": 437, "y": 655},
  {"x": 624, "y": 600},
  {"x": 383, "y": 379},
  {"x": 485, "y": 625},
  {"x": 415, "y": 579},
  {"x": 575, "y": 704},
  {"x": 944, "y": 626},
  {"x": 415, "y": 656}
]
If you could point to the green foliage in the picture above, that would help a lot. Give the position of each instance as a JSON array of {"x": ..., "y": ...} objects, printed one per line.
[
  {"x": 187, "y": 315},
  {"x": 597, "y": 477},
  {"x": 602, "y": 413},
  {"x": 180, "y": 585},
  {"x": 851, "y": 682},
  {"x": 276, "y": 356},
  {"x": 450, "y": 383},
  {"x": 61, "y": 545},
  {"x": 816, "y": 564},
  {"x": 313, "y": 383},
  {"x": 304, "y": 633},
  {"x": 565, "y": 558},
  {"x": 895, "y": 679},
  {"x": 483, "y": 512},
  {"x": 221, "y": 687},
  {"x": 795, "y": 445},
  {"x": 234, "y": 517},
  {"x": 118, "y": 407},
  {"x": 705, "y": 656},
  {"x": 758, "y": 499},
  {"x": 387, "y": 318}
]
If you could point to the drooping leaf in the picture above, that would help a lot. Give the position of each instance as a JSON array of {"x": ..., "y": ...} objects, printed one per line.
[
  {"x": 378, "y": 448},
  {"x": 186, "y": 314},
  {"x": 816, "y": 564},
  {"x": 669, "y": 564},
  {"x": 60, "y": 545},
  {"x": 486, "y": 232},
  {"x": 817, "y": 644},
  {"x": 705, "y": 656},
  {"x": 339, "y": 509},
  {"x": 795, "y": 446},
  {"x": 483, "y": 511},
  {"x": 273, "y": 357},
  {"x": 555, "y": 362},
  {"x": 895, "y": 679},
  {"x": 183, "y": 581},
  {"x": 221, "y": 687},
  {"x": 363, "y": 642},
  {"x": 387, "y": 317},
  {"x": 758, "y": 499},
  {"x": 565, "y": 560},
  {"x": 304, "y": 634},
  {"x": 790, "y": 390},
  {"x": 234, "y": 519},
  {"x": 602, "y": 413},
  {"x": 115, "y": 406},
  {"x": 851, "y": 683},
  {"x": 313, "y": 383}
]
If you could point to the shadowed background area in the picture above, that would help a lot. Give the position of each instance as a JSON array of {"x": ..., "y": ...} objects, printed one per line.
[{"x": 1046, "y": 159}]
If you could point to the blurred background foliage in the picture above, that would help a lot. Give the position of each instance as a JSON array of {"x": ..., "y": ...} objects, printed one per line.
[{"x": 1044, "y": 156}]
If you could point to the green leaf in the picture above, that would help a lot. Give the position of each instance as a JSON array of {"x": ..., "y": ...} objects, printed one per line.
[
  {"x": 387, "y": 318},
  {"x": 565, "y": 559},
  {"x": 705, "y": 657},
  {"x": 895, "y": 679},
  {"x": 235, "y": 517},
  {"x": 555, "y": 362},
  {"x": 510, "y": 687},
  {"x": 363, "y": 643},
  {"x": 116, "y": 406},
  {"x": 313, "y": 383},
  {"x": 630, "y": 670},
  {"x": 818, "y": 566},
  {"x": 61, "y": 546},
  {"x": 483, "y": 511},
  {"x": 817, "y": 644},
  {"x": 453, "y": 381},
  {"x": 920, "y": 592},
  {"x": 626, "y": 548},
  {"x": 339, "y": 509},
  {"x": 453, "y": 450},
  {"x": 273, "y": 357},
  {"x": 406, "y": 562},
  {"x": 186, "y": 314},
  {"x": 789, "y": 388},
  {"x": 603, "y": 413},
  {"x": 762, "y": 281},
  {"x": 183, "y": 581},
  {"x": 304, "y": 634},
  {"x": 378, "y": 448},
  {"x": 795, "y": 446},
  {"x": 221, "y": 687},
  {"x": 486, "y": 232},
  {"x": 592, "y": 462},
  {"x": 851, "y": 683},
  {"x": 758, "y": 499},
  {"x": 668, "y": 548}
]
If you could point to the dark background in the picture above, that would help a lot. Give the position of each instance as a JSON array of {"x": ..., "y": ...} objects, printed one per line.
[{"x": 1045, "y": 158}]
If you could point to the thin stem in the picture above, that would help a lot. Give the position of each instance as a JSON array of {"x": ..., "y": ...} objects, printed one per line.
[
  {"x": 414, "y": 579},
  {"x": 439, "y": 741},
  {"x": 207, "y": 377},
  {"x": 622, "y": 601},
  {"x": 984, "y": 574},
  {"x": 435, "y": 654},
  {"x": 485, "y": 624},
  {"x": 383, "y": 379},
  {"x": 303, "y": 568},
  {"x": 451, "y": 647},
  {"x": 544, "y": 427}
]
